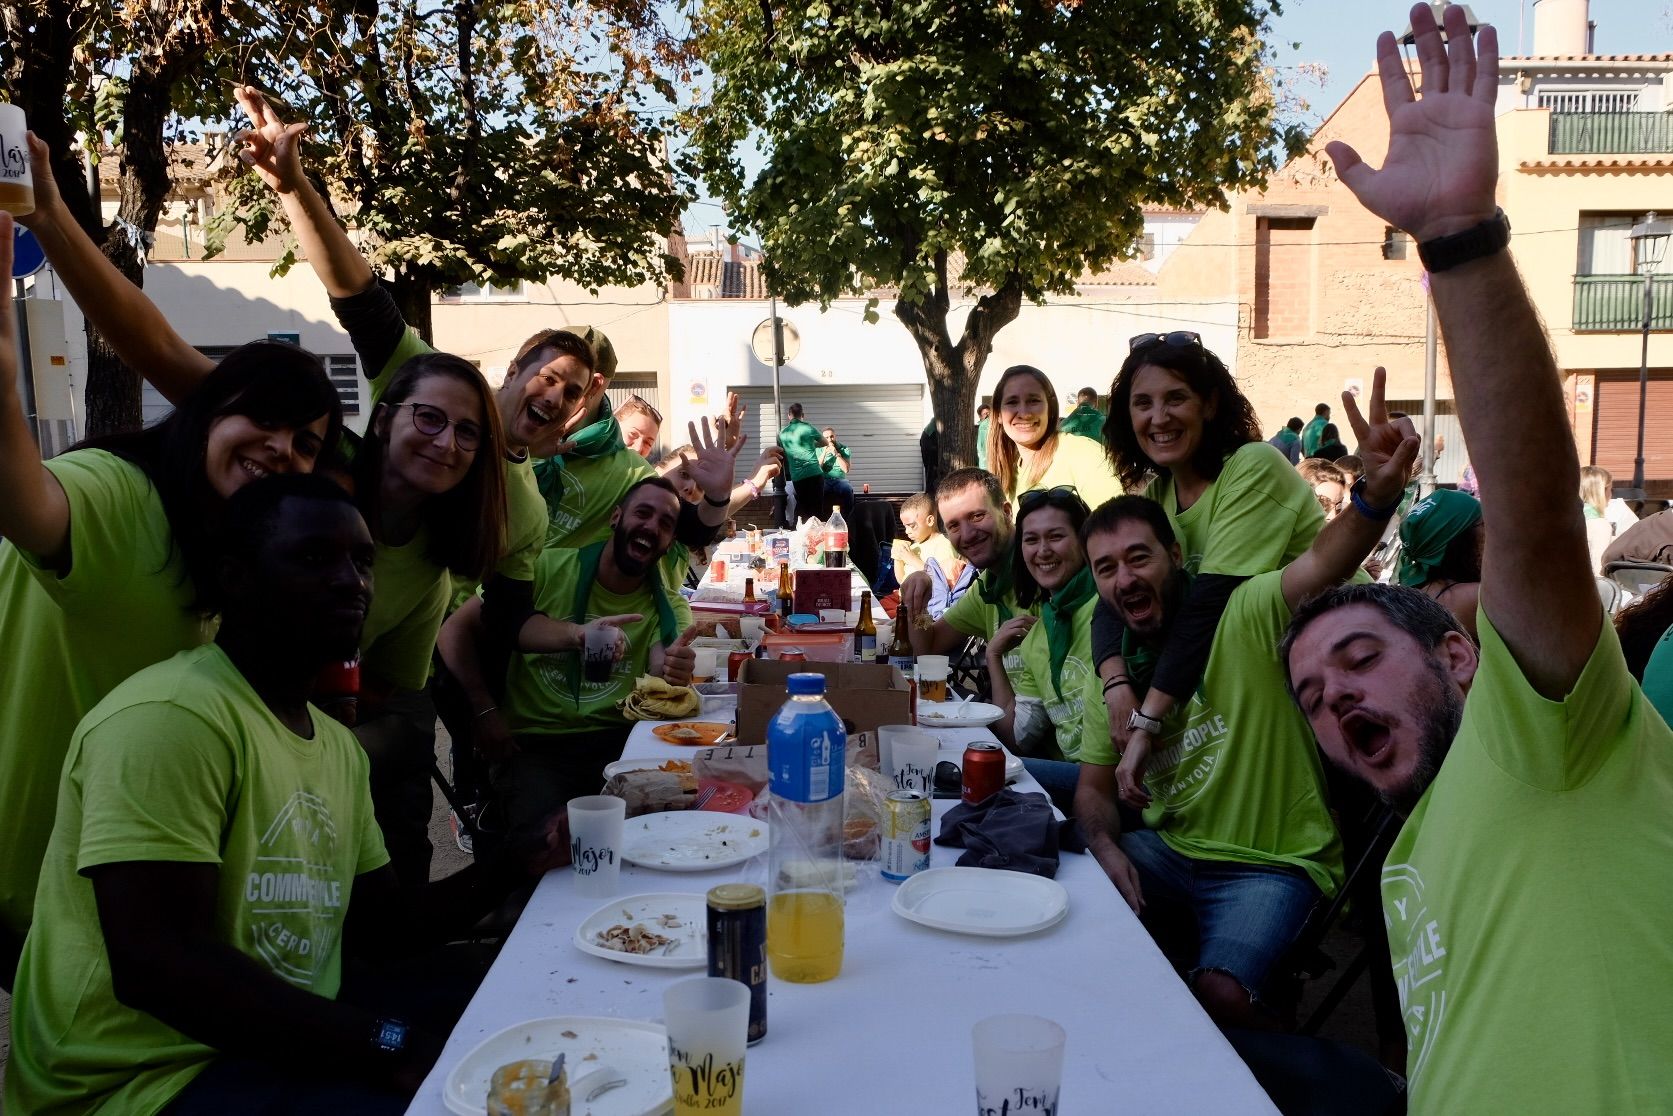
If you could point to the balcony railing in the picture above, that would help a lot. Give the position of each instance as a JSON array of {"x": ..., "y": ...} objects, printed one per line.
[
  {"x": 1616, "y": 302},
  {"x": 1611, "y": 133}
]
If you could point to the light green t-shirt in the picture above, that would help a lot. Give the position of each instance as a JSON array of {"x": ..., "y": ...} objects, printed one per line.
[
  {"x": 1077, "y": 461},
  {"x": 183, "y": 762},
  {"x": 1085, "y": 420},
  {"x": 1076, "y": 706},
  {"x": 1658, "y": 676},
  {"x": 541, "y": 694},
  {"x": 1258, "y": 515},
  {"x": 800, "y": 442},
  {"x": 525, "y": 510},
  {"x": 1529, "y": 898},
  {"x": 410, "y": 596},
  {"x": 587, "y": 491},
  {"x": 1235, "y": 774},
  {"x": 68, "y": 641},
  {"x": 830, "y": 460}
]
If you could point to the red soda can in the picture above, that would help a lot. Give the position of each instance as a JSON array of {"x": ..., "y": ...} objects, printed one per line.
[
  {"x": 792, "y": 655},
  {"x": 717, "y": 570},
  {"x": 735, "y": 662},
  {"x": 984, "y": 771},
  {"x": 865, "y": 488}
]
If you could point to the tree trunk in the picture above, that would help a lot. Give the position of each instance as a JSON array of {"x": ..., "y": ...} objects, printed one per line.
[
  {"x": 412, "y": 296},
  {"x": 955, "y": 370}
]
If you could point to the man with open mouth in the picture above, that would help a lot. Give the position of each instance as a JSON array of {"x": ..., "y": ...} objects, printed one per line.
[{"x": 1529, "y": 894}]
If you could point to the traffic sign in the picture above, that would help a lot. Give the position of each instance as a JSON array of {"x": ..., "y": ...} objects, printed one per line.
[{"x": 28, "y": 256}]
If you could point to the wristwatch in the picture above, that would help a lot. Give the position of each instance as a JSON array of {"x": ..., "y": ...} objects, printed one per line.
[
  {"x": 1474, "y": 243},
  {"x": 1139, "y": 721},
  {"x": 389, "y": 1036}
]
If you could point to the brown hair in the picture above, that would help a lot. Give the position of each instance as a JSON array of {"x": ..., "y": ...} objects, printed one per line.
[
  {"x": 1004, "y": 460},
  {"x": 1316, "y": 470}
]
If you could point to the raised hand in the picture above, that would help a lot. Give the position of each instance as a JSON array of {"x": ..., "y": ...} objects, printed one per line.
[
  {"x": 1443, "y": 157},
  {"x": 270, "y": 147},
  {"x": 729, "y": 424},
  {"x": 48, "y": 202},
  {"x": 679, "y": 661},
  {"x": 717, "y": 458},
  {"x": 1387, "y": 450}
]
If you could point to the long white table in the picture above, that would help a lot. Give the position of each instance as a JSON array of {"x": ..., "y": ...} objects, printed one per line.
[{"x": 891, "y": 1034}]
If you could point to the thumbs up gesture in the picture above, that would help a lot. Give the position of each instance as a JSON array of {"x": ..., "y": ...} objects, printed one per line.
[{"x": 679, "y": 661}]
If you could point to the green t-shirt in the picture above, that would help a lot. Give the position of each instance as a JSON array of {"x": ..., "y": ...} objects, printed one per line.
[
  {"x": 183, "y": 762},
  {"x": 68, "y": 641},
  {"x": 410, "y": 596},
  {"x": 1312, "y": 434},
  {"x": 1257, "y": 515},
  {"x": 1075, "y": 707},
  {"x": 525, "y": 511},
  {"x": 800, "y": 442},
  {"x": 585, "y": 491},
  {"x": 973, "y": 616},
  {"x": 1234, "y": 774},
  {"x": 831, "y": 460},
  {"x": 1529, "y": 898},
  {"x": 541, "y": 693},
  {"x": 1085, "y": 420},
  {"x": 981, "y": 444},
  {"x": 1658, "y": 676},
  {"x": 1076, "y": 461}
]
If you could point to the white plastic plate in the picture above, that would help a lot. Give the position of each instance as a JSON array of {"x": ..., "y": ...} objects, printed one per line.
[
  {"x": 989, "y": 902},
  {"x": 691, "y": 948},
  {"x": 692, "y": 840},
  {"x": 941, "y": 714},
  {"x": 639, "y": 1050}
]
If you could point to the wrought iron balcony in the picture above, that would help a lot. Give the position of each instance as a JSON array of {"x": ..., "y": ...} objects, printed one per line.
[
  {"x": 1616, "y": 302},
  {"x": 1611, "y": 133}
]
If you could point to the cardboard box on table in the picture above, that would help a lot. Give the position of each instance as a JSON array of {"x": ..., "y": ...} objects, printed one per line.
[
  {"x": 821, "y": 589},
  {"x": 865, "y": 696}
]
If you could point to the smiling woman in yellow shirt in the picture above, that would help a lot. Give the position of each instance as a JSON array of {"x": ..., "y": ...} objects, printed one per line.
[{"x": 1027, "y": 450}]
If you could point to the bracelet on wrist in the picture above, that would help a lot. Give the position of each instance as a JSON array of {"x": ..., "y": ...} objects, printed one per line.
[
  {"x": 713, "y": 503},
  {"x": 1118, "y": 680},
  {"x": 1356, "y": 495},
  {"x": 485, "y": 712}
]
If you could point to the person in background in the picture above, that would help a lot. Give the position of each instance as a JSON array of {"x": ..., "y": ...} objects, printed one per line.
[
  {"x": 1330, "y": 484},
  {"x": 1330, "y": 444},
  {"x": 1288, "y": 441},
  {"x": 927, "y": 549},
  {"x": 836, "y": 461},
  {"x": 929, "y": 450},
  {"x": 984, "y": 419},
  {"x": 1086, "y": 419},
  {"x": 799, "y": 439},
  {"x": 1641, "y": 627},
  {"x": 1352, "y": 467},
  {"x": 1440, "y": 552},
  {"x": 1313, "y": 433},
  {"x": 1648, "y": 540},
  {"x": 1027, "y": 450},
  {"x": 640, "y": 424},
  {"x": 1616, "y": 510},
  {"x": 679, "y": 467},
  {"x": 1594, "y": 506}
]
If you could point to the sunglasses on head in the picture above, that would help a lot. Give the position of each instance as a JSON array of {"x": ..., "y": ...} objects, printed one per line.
[
  {"x": 1183, "y": 338},
  {"x": 650, "y": 409},
  {"x": 1034, "y": 497},
  {"x": 431, "y": 421}
]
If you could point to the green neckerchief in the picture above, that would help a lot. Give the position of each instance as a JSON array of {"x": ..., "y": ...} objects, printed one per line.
[
  {"x": 584, "y": 579},
  {"x": 600, "y": 439},
  {"x": 993, "y": 586},
  {"x": 1142, "y": 656},
  {"x": 1057, "y": 612}
]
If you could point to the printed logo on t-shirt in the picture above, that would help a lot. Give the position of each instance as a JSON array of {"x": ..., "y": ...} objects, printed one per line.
[
  {"x": 293, "y": 892},
  {"x": 558, "y": 674},
  {"x": 1185, "y": 766},
  {"x": 565, "y": 514},
  {"x": 1067, "y": 707},
  {"x": 1416, "y": 944}
]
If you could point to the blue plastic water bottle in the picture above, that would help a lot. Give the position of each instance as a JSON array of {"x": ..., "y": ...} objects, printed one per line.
[{"x": 806, "y": 748}]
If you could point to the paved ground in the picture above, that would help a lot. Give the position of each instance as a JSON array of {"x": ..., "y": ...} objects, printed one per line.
[{"x": 1352, "y": 1022}]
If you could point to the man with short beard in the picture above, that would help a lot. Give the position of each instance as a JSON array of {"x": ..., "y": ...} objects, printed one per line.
[
  {"x": 1529, "y": 894},
  {"x": 1237, "y": 839},
  {"x": 564, "y": 727}
]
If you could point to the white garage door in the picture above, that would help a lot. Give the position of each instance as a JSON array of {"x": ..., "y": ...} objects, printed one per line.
[{"x": 879, "y": 423}]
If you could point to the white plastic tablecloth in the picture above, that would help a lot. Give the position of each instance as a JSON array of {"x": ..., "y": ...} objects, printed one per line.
[{"x": 891, "y": 1034}]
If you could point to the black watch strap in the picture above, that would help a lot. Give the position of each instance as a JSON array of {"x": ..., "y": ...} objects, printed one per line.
[{"x": 1474, "y": 243}]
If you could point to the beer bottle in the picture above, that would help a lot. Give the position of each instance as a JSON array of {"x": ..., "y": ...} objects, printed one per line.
[
  {"x": 900, "y": 650},
  {"x": 749, "y": 590},
  {"x": 786, "y": 591},
  {"x": 865, "y": 633}
]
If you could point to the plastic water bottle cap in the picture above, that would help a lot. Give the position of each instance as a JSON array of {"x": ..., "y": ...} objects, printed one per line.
[{"x": 807, "y": 683}]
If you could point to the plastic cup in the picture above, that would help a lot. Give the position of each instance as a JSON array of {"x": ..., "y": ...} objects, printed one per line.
[
  {"x": 710, "y": 662},
  {"x": 932, "y": 677},
  {"x": 595, "y": 843},
  {"x": 751, "y": 627},
  {"x": 908, "y": 757},
  {"x": 17, "y": 183},
  {"x": 1019, "y": 1064},
  {"x": 708, "y": 1031}
]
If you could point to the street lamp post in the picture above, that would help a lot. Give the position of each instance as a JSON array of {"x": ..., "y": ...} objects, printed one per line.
[{"x": 1649, "y": 241}]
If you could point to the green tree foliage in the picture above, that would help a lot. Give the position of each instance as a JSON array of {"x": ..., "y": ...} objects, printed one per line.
[
  {"x": 479, "y": 142},
  {"x": 992, "y": 148}
]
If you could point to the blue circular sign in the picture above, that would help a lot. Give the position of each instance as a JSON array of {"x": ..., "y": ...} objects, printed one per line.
[{"x": 28, "y": 256}]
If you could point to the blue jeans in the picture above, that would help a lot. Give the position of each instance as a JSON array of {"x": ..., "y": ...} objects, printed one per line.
[
  {"x": 1057, "y": 778},
  {"x": 839, "y": 493},
  {"x": 1246, "y": 915}
]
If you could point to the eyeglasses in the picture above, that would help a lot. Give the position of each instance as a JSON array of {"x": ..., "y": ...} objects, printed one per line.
[
  {"x": 431, "y": 421},
  {"x": 1034, "y": 497},
  {"x": 1183, "y": 338}
]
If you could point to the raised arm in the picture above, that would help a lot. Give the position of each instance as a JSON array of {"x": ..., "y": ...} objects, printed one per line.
[
  {"x": 1437, "y": 181},
  {"x": 34, "y": 512},
  {"x": 120, "y": 311}
]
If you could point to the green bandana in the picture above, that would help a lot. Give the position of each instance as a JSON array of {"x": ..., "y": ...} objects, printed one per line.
[
  {"x": 585, "y": 576},
  {"x": 597, "y": 440},
  {"x": 993, "y": 586},
  {"x": 1429, "y": 529},
  {"x": 1057, "y": 612}
]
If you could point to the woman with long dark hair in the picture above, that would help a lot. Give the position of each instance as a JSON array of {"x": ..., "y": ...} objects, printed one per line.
[
  {"x": 1645, "y": 628},
  {"x": 1026, "y": 450},
  {"x": 108, "y": 562},
  {"x": 1179, "y": 425}
]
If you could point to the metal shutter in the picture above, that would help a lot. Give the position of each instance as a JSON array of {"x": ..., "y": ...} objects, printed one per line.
[
  {"x": 879, "y": 423},
  {"x": 1615, "y": 425}
]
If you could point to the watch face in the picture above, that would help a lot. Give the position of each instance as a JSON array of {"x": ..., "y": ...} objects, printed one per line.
[{"x": 391, "y": 1034}]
